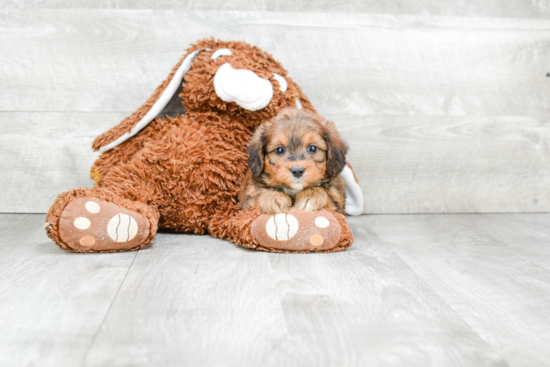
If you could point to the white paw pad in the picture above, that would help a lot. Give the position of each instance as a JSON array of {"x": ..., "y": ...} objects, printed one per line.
[
  {"x": 282, "y": 226},
  {"x": 122, "y": 228},
  {"x": 92, "y": 207},
  {"x": 321, "y": 222},
  {"x": 82, "y": 223}
]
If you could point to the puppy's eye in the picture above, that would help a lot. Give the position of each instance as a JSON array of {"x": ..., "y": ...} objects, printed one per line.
[
  {"x": 312, "y": 149},
  {"x": 280, "y": 151}
]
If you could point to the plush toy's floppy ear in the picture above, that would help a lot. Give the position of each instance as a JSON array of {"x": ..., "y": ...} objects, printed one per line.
[
  {"x": 255, "y": 150},
  {"x": 146, "y": 113},
  {"x": 354, "y": 194}
]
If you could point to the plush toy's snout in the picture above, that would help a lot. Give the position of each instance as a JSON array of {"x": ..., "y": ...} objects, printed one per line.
[{"x": 243, "y": 87}]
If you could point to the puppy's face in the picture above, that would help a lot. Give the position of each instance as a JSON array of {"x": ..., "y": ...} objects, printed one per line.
[
  {"x": 295, "y": 156},
  {"x": 295, "y": 150}
]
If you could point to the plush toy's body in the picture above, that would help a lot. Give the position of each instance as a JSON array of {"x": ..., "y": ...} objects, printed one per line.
[{"x": 183, "y": 173}]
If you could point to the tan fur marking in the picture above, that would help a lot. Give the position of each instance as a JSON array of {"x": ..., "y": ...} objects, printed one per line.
[
  {"x": 271, "y": 202},
  {"x": 312, "y": 199}
]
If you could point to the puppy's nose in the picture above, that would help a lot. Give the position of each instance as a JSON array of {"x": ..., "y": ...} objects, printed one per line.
[{"x": 297, "y": 171}]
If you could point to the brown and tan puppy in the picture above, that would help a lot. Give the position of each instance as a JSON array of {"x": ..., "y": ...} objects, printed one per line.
[{"x": 295, "y": 159}]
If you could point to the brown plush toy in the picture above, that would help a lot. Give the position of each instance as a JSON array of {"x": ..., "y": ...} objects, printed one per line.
[{"x": 183, "y": 173}]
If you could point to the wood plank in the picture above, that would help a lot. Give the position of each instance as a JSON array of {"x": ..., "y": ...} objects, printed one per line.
[
  {"x": 414, "y": 289},
  {"x": 489, "y": 8},
  {"x": 96, "y": 60},
  {"x": 496, "y": 286},
  {"x": 452, "y": 164},
  {"x": 45, "y": 154},
  {"x": 51, "y": 302},
  {"x": 192, "y": 300},
  {"x": 405, "y": 164},
  {"x": 531, "y": 234},
  {"x": 366, "y": 307}
]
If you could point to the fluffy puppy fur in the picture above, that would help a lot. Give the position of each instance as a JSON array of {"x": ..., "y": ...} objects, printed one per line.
[{"x": 295, "y": 159}]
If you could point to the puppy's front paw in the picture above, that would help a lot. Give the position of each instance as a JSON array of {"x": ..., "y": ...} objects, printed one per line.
[
  {"x": 274, "y": 202},
  {"x": 312, "y": 199}
]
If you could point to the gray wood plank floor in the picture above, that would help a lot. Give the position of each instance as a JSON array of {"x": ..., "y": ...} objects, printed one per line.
[{"x": 414, "y": 290}]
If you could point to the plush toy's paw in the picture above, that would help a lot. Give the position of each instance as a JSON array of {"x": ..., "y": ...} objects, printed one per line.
[
  {"x": 90, "y": 224},
  {"x": 297, "y": 230}
]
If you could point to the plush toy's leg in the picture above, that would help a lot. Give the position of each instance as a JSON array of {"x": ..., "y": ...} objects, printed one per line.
[
  {"x": 294, "y": 231},
  {"x": 97, "y": 220}
]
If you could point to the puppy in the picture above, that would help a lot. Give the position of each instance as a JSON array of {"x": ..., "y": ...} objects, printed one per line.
[{"x": 295, "y": 159}]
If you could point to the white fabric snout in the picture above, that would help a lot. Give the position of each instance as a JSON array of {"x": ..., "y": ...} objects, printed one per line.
[{"x": 243, "y": 87}]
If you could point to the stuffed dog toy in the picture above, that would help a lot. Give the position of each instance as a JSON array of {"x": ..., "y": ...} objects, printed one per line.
[{"x": 183, "y": 173}]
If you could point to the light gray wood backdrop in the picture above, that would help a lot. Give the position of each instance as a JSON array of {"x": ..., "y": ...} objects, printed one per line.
[
  {"x": 446, "y": 109},
  {"x": 491, "y": 8}
]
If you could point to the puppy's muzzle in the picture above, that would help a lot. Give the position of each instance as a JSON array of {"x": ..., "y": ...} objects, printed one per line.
[{"x": 297, "y": 171}]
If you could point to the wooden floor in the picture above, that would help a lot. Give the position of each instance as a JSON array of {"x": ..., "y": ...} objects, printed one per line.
[{"x": 414, "y": 290}]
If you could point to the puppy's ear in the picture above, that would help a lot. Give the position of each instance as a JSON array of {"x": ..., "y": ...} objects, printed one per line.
[
  {"x": 336, "y": 149},
  {"x": 255, "y": 150}
]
